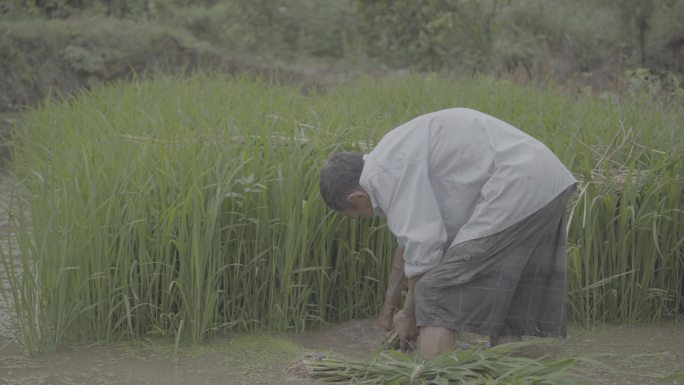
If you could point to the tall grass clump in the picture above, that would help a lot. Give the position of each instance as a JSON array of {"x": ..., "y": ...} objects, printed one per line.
[
  {"x": 182, "y": 207},
  {"x": 189, "y": 206}
]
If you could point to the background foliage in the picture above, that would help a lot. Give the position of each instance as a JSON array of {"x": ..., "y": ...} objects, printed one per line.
[{"x": 575, "y": 40}]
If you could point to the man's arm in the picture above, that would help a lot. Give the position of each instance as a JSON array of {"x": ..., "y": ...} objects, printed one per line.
[
  {"x": 405, "y": 320},
  {"x": 395, "y": 287}
]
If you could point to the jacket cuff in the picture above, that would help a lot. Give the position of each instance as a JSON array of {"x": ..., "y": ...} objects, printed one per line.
[{"x": 411, "y": 270}]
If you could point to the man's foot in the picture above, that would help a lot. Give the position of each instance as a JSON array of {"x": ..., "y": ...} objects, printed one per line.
[
  {"x": 435, "y": 340},
  {"x": 494, "y": 341}
]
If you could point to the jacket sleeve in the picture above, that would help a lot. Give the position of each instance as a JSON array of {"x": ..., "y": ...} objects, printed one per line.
[{"x": 414, "y": 217}]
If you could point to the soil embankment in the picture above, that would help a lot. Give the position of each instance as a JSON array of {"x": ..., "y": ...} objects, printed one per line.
[{"x": 60, "y": 57}]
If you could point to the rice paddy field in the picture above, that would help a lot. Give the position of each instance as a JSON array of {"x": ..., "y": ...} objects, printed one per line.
[{"x": 186, "y": 209}]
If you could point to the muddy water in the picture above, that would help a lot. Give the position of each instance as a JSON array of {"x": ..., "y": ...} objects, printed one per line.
[
  {"x": 640, "y": 355},
  {"x": 249, "y": 359}
]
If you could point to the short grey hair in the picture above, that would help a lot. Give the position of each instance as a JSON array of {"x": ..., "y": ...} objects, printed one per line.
[{"x": 340, "y": 176}]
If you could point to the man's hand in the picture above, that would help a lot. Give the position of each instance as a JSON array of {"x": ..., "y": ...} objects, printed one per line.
[
  {"x": 384, "y": 320},
  {"x": 405, "y": 324}
]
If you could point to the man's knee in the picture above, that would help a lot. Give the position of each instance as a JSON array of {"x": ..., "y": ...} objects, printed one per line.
[{"x": 435, "y": 340}]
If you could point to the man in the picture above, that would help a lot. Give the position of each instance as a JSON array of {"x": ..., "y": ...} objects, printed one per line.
[{"x": 478, "y": 208}]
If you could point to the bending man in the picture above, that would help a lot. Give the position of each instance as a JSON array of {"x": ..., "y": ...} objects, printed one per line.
[{"x": 478, "y": 208}]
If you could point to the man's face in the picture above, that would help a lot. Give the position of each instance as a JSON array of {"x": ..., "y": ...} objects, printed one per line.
[{"x": 360, "y": 205}]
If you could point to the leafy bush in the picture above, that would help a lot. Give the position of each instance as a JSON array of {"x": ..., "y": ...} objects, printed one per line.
[
  {"x": 431, "y": 34},
  {"x": 83, "y": 61},
  {"x": 284, "y": 28}
]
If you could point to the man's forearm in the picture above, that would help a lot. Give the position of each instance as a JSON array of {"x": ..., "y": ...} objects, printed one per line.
[
  {"x": 396, "y": 283},
  {"x": 405, "y": 320}
]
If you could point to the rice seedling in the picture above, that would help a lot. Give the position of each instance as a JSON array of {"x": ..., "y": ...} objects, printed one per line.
[
  {"x": 188, "y": 206},
  {"x": 474, "y": 366}
]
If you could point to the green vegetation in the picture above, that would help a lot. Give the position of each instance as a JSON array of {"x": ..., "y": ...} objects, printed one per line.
[{"x": 188, "y": 207}]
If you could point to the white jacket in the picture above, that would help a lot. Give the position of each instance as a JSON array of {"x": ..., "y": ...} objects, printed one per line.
[{"x": 455, "y": 175}]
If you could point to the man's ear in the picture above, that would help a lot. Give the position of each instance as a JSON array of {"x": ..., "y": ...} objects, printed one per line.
[{"x": 356, "y": 194}]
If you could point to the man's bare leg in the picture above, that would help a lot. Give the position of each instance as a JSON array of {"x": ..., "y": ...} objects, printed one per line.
[
  {"x": 395, "y": 287},
  {"x": 493, "y": 341},
  {"x": 435, "y": 340},
  {"x": 432, "y": 340}
]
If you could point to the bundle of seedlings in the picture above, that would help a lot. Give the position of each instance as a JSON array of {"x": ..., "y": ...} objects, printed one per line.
[
  {"x": 392, "y": 340},
  {"x": 474, "y": 366}
]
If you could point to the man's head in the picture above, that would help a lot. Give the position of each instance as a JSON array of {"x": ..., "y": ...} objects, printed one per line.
[{"x": 340, "y": 187}]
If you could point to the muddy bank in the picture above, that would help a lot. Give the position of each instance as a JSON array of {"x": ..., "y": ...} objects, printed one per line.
[{"x": 61, "y": 57}]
